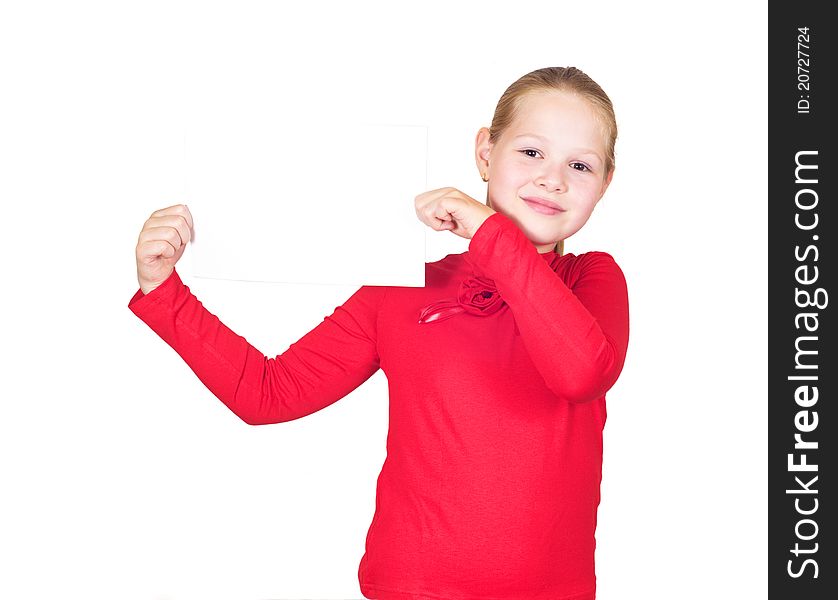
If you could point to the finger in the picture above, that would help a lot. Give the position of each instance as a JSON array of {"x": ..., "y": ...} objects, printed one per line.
[
  {"x": 173, "y": 209},
  {"x": 153, "y": 249},
  {"x": 176, "y": 221},
  {"x": 187, "y": 214},
  {"x": 427, "y": 198},
  {"x": 165, "y": 233},
  {"x": 176, "y": 209},
  {"x": 444, "y": 223},
  {"x": 442, "y": 212}
]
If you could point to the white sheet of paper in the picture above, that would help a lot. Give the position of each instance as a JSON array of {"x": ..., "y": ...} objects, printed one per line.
[{"x": 308, "y": 201}]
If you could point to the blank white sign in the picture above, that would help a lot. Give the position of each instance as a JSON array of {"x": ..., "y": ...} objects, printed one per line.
[{"x": 306, "y": 202}]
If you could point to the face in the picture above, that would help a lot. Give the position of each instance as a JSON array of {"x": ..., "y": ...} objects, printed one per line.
[{"x": 554, "y": 151}]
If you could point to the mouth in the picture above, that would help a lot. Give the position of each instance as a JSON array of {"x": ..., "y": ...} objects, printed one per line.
[{"x": 543, "y": 205}]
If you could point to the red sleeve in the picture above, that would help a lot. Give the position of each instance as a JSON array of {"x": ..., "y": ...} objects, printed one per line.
[
  {"x": 322, "y": 367},
  {"x": 576, "y": 337}
]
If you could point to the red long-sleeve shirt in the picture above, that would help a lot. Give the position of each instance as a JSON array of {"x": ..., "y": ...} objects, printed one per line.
[{"x": 491, "y": 483}]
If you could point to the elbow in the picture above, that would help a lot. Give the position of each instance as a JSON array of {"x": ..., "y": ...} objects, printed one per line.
[
  {"x": 249, "y": 417},
  {"x": 261, "y": 415},
  {"x": 580, "y": 392},
  {"x": 250, "y": 420},
  {"x": 255, "y": 413},
  {"x": 261, "y": 418},
  {"x": 588, "y": 383},
  {"x": 258, "y": 404}
]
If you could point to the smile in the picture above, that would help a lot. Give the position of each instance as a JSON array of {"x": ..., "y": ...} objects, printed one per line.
[{"x": 543, "y": 206}]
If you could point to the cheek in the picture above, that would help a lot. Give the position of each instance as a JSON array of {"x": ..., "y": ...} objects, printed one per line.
[
  {"x": 513, "y": 178},
  {"x": 505, "y": 182},
  {"x": 503, "y": 194},
  {"x": 591, "y": 192},
  {"x": 510, "y": 169}
]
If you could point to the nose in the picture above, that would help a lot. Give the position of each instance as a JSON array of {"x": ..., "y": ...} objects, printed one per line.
[{"x": 552, "y": 180}]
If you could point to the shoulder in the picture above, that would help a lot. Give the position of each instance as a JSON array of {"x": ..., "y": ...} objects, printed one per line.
[
  {"x": 593, "y": 258},
  {"x": 589, "y": 266},
  {"x": 441, "y": 272}
]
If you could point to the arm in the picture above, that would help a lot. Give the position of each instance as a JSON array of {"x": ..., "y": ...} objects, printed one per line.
[
  {"x": 577, "y": 338},
  {"x": 322, "y": 367}
]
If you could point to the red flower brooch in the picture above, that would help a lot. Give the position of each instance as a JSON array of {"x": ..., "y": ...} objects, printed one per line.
[{"x": 476, "y": 296}]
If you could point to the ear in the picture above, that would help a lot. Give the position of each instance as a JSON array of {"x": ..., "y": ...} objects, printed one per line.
[
  {"x": 482, "y": 149},
  {"x": 606, "y": 183}
]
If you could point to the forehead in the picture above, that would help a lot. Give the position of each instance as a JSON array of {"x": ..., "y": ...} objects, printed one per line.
[{"x": 556, "y": 114}]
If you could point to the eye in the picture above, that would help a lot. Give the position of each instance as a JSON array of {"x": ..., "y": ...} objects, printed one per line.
[
  {"x": 529, "y": 150},
  {"x": 580, "y": 166}
]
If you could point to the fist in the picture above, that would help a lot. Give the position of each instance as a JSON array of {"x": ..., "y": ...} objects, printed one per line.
[
  {"x": 161, "y": 244},
  {"x": 449, "y": 208}
]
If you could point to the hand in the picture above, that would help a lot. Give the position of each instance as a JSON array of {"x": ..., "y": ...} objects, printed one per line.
[
  {"x": 449, "y": 208},
  {"x": 161, "y": 244}
]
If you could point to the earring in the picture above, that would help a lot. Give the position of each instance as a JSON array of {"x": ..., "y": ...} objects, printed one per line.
[{"x": 483, "y": 177}]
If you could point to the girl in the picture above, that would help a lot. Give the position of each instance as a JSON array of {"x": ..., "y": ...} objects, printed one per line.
[{"x": 497, "y": 368}]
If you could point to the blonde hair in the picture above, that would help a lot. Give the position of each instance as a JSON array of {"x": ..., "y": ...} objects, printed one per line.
[{"x": 562, "y": 79}]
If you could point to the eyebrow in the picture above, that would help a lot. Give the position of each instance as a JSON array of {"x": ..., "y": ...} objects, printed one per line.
[{"x": 543, "y": 139}]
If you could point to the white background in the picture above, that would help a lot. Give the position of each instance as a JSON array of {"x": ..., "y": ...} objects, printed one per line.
[{"x": 123, "y": 477}]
